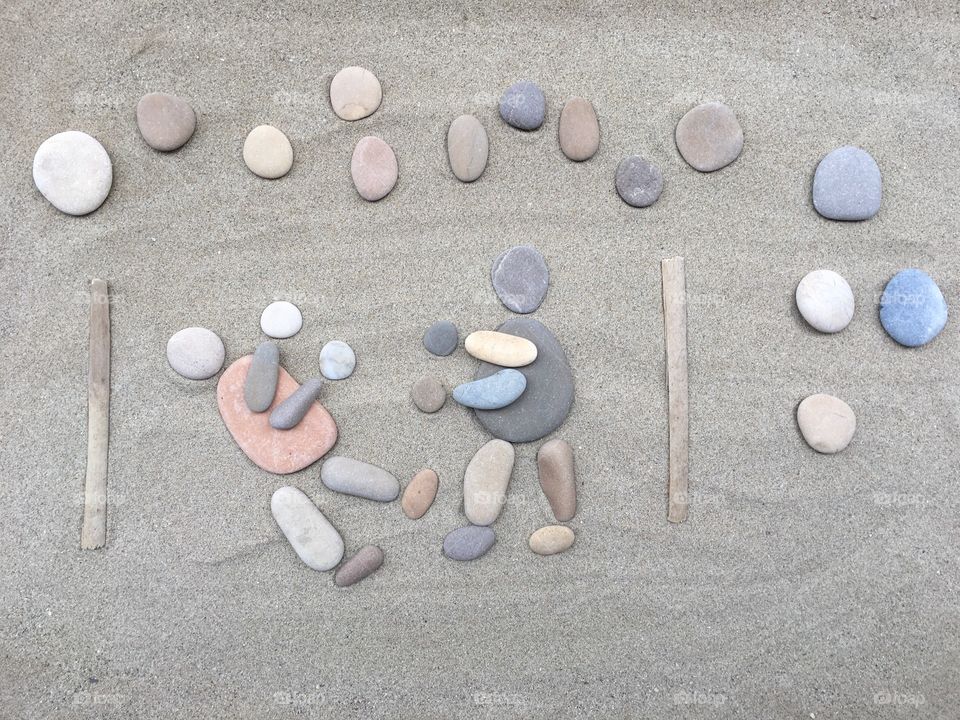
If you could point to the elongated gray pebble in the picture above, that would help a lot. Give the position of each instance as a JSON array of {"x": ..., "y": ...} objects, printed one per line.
[
  {"x": 311, "y": 535},
  {"x": 353, "y": 477},
  {"x": 291, "y": 411},
  {"x": 492, "y": 392},
  {"x": 365, "y": 562},
  {"x": 467, "y": 148},
  {"x": 260, "y": 387},
  {"x": 469, "y": 542}
]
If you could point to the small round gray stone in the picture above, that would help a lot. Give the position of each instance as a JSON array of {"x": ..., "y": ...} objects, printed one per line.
[
  {"x": 337, "y": 360},
  {"x": 847, "y": 185},
  {"x": 639, "y": 182},
  {"x": 260, "y": 387},
  {"x": 428, "y": 394},
  {"x": 469, "y": 542},
  {"x": 523, "y": 106},
  {"x": 441, "y": 338},
  {"x": 73, "y": 172},
  {"x": 195, "y": 353},
  {"x": 520, "y": 278}
]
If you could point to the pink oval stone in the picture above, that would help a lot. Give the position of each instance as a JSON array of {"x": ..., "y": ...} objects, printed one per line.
[
  {"x": 277, "y": 451},
  {"x": 374, "y": 168}
]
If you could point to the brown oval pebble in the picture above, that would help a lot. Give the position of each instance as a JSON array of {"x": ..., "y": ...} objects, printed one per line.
[
  {"x": 374, "y": 168},
  {"x": 467, "y": 148},
  {"x": 552, "y": 539},
  {"x": 709, "y": 137},
  {"x": 557, "y": 478},
  {"x": 364, "y": 563},
  {"x": 165, "y": 121},
  {"x": 579, "y": 130},
  {"x": 428, "y": 394},
  {"x": 420, "y": 494}
]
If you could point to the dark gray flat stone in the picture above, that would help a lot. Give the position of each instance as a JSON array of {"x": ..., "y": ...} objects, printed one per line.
[
  {"x": 260, "y": 387},
  {"x": 523, "y": 106},
  {"x": 847, "y": 185},
  {"x": 441, "y": 338},
  {"x": 639, "y": 182},
  {"x": 291, "y": 411},
  {"x": 548, "y": 397},
  {"x": 520, "y": 278},
  {"x": 468, "y": 543}
]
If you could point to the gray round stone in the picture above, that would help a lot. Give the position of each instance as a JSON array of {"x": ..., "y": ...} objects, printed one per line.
[
  {"x": 847, "y": 185},
  {"x": 548, "y": 397},
  {"x": 520, "y": 278},
  {"x": 639, "y": 182},
  {"x": 469, "y": 542},
  {"x": 428, "y": 394},
  {"x": 441, "y": 338},
  {"x": 523, "y": 106},
  {"x": 73, "y": 171},
  {"x": 165, "y": 121}
]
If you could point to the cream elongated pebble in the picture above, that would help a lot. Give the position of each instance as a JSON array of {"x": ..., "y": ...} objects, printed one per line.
[
  {"x": 314, "y": 539},
  {"x": 500, "y": 348},
  {"x": 552, "y": 539}
]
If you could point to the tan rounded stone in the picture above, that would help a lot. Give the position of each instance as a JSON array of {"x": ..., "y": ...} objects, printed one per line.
[
  {"x": 485, "y": 482},
  {"x": 165, "y": 121},
  {"x": 557, "y": 478},
  {"x": 420, "y": 494},
  {"x": 428, "y": 394},
  {"x": 552, "y": 539},
  {"x": 500, "y": 348},
  {"x": 467, "y": 148},
  {"x": 374, "y": 168},
  {"x": 826, "y": 422},
  {"x": 355, "y": 93},
  {"x": 267, "y": 152},
  {"x": 579, "y": 130},
  {"x": 709, "y": 137}
]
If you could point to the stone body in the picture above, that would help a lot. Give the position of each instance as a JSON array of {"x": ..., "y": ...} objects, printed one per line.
[
  {"x": 467, "y": 148},
  {"x": 291, "y": 411},
  {"x": 558, "y": 478},
  {"x": 260, "y": 387},
  {"x": 374, "y": 168},
  {"x": 501, "y": 348},
  {"x": 826, "y": 422},
  {"x": 523, "y": 106},
  {"x": 165, "y": 121},
  {"x": 195, "y": 353},
  {"x": 337, "y": 360},
  {"x": 486, "y": 480},
  {"x": 73, "y": 172},
  {"x": 268, "y": 152},
  {"x": 353, "y": 477},
  {"x": 492, "y": 392},
  {"x": 847, "y": 185},
  {"x": 468, "y": 543},
  {"x": 441, "y": 338},
  {"x": 428, "y": 394},
  {"x": 709, "y": 137},
  {"x": 520, "y": 278},
  {"x": 355, "y": 93},
  {"x": 552, "y": 539},
  {"x": 912, "y": 308},
  {"x": 311, "y": 535},
  {"x": 825, "y": 301},
  {"x": 364, "y": 563},
  {"x": 420, "y": 494},
  {"x": 281, "y": 319},
  {"x": 579, "y": 131}
]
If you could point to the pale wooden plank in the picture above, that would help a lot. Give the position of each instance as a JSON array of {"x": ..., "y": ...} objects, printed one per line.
[
  {"x": 94, "y": 533},
  {"x": 675, "y": 331}
]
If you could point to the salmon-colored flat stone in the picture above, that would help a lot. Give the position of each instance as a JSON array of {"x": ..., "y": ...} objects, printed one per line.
[{"x": 276, "y": 451}]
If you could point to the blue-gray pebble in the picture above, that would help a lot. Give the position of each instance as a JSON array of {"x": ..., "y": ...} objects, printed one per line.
[
  {"x": 291, "y": 411},
  {"x": 523, "y": 106},
  {"x": 468, "y": 543},
  {"x": 912, "y": 308},
  {"x": 260, "y": 386},
  {"x": 493, "y": 392},
  {"x": 520, "y": 278},
  {"x": 847, "y": 185},
  {"x": 441, "y": 338}
]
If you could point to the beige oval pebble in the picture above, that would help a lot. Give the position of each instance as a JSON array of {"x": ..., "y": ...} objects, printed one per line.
[
  {"x": 267, "y": 152},
  {"x": 551, "y": 540},
  {"x": 486, "y": 480},
  {"x": 579, "y": 130},
  {"x": 557, "y": 478},
  {"x": 374, "y": 168},
  {"x": 500, "y": 348},
  {"x": 467, "y": 148},
  {"x": 420, "y": 494},
  {"x": 826, "y": 422},
  {"x": 355, "y": 93}
]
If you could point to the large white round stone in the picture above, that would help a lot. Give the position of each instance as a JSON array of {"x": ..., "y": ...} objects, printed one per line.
[
  {"x": 73, "y": 171},
  {"x": 825, "y": 300},
  {"x": 281, "y": 319},
  {"x": 195, "y": 353}
]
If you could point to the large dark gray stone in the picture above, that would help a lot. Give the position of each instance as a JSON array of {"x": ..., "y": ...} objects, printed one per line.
[{"x": 548, "y": 397}]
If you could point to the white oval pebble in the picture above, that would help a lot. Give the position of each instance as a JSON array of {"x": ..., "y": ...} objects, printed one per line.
[
  {"x": 825, "y": 300},
  {"x": 355, "y": 93},
  {"x": 826, "y": 422},
  {"x": 267, "y": 152},
  {"x": 73, "y": 171},
  {"x": 281, "y": 319},
  {"x": 314, "y": 539},
  {"x": 195, "y": 353},
  {"x": 337, "y": 360}
]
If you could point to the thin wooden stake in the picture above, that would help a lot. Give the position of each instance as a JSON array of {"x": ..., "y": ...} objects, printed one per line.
[
  {"x": 94, "y": 533},
  {"x": 675, "y": 331}
]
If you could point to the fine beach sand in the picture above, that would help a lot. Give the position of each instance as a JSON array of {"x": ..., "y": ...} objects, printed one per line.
[{"x": 802, "y": 586}]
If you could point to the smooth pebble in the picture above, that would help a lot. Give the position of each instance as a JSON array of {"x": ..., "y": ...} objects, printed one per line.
[
  {"x": 260, "y": 387},
  {"x": 485, "y": 482},
  {"x": 291, "y": 411},
  {"x": 579, "y": 131},
  {"x": 165, "y": 121},
  {"x": 825, "y": 300},
  {"x": 467, "y": 148},
  {"x": 195, "y": 353},
  {"x": 354, "y": 477},
  {"x": 492, "y": 392},
  {"x": 441, "y": 338},
  {"x": 557, "y": 478},
  {"x": 73, "y": 172},
  {"x": 639, "y": 182},
  {"x": 468, "y": 543},
  {"x": 364, "y": 563},
  {"x": 308, "y": 531},
  {"x": 847, "y": 185},
  {"x": 267, "y": 152},
  {"x": 337, "y": 360},
  {"x": 520, "y": 278},
  {"x": 419, "y": 495},
  {"x": 709, "y": 137},
  {"x": 826, "y": 422},
  {"x": 281, "y": 319},
  {"x": 501, "y": 348},
  {"x": 428, "y": 394},
  {"x": 551, "y": 540},
  {"x": 523, "y": 106},
  {"x": 912, "y": 308},
  {"x": 355, "y": 93},
  {"x": 374, "y": 168}
]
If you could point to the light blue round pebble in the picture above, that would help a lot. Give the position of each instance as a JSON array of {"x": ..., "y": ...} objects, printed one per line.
[
  {"x": 912, "y": 308},
  {"x": 847, "y": 185},
  {"x": 523, "y": 106}
]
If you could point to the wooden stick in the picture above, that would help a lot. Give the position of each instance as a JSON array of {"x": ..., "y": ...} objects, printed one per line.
[
  {"x": 94, "y": 533},
  {"x": 675, "y": 331}
]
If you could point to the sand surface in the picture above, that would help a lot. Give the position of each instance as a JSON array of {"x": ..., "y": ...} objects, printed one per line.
[{"x": 802, "y": 586}]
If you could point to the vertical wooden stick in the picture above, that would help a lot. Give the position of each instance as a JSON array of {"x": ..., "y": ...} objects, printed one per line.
[
  {"x": 675, "y": 331},
  {"x": 94, "y": 533}
]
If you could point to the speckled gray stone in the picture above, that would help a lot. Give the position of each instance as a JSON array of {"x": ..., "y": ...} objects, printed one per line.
[
  {"x": 353, "y": 477},
  {"x": 547, "y": 400},
  {"x": 847, "y": 185},
  {"x": 291, "y": 411},
  {"x": 441, "y": 338},
  {"x": 523, "y": 106},
  {"x": 639, "y": 182},
  {"x": 469, "y": 542},
  {"x": 520, "y": 278},
  {"x": 260, "y": 387},
  {"x": 428, "y": 394},
  {"x": 365, "y": 562}
]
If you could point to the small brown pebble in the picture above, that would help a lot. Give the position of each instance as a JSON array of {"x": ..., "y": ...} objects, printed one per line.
[
  {"x": 365, "y": 562},
  {"x": 428, "y": 394},
  {"x": 579, "y": 130},
  {"x": 557, "y": 478},
  {"x": 420, "y": 494}
]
